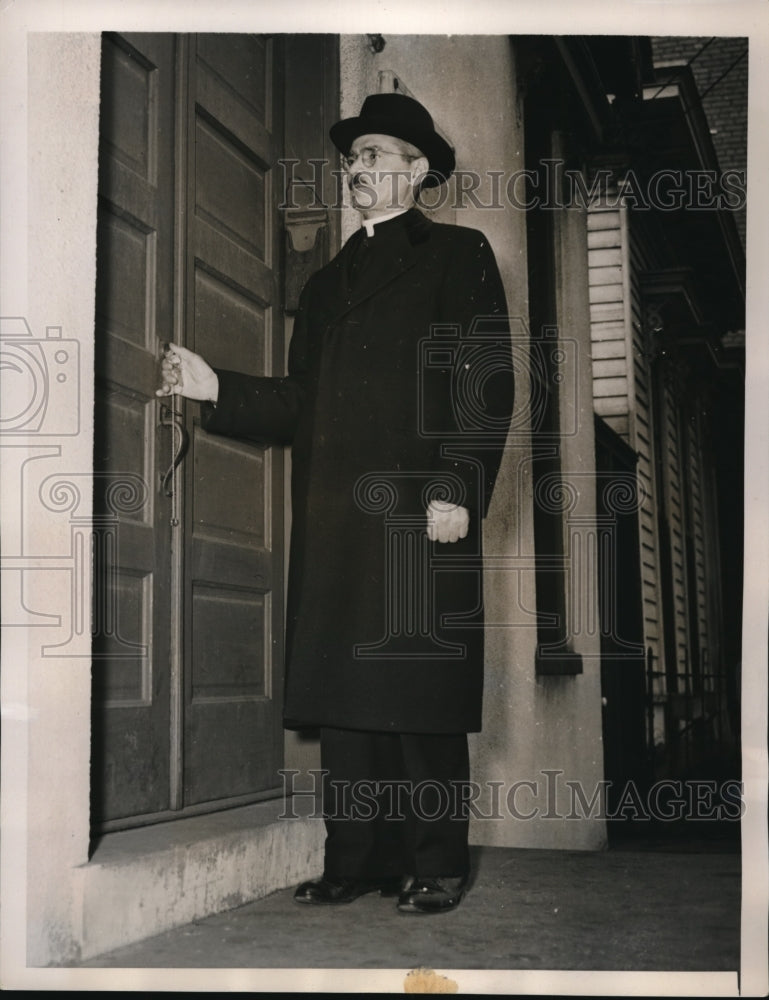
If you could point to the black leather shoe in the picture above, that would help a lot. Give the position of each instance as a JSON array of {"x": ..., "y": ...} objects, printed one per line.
[
  {"x": 333, "y": 891},
  {"x": 432, "y": 895}
]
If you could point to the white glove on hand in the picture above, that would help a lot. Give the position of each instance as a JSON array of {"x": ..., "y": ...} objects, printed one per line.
[
  {"x": 187, "y": 374},
  {"x": 446, "y": 522}
]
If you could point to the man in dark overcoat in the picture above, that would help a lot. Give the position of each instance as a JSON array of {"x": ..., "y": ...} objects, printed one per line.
[{"x": 396, "y": 405}]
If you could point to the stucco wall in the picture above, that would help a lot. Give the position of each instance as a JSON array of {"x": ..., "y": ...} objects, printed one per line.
[
  {"x": 60, "y": 220},
  {"x": 531, "y": 725}
]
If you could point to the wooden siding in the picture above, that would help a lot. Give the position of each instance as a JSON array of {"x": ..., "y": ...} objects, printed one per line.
[
  {"x": 630, "y": 392},
  {"x": 641, "y": 257},
  {"x": 707, "y": 631},
  {"x": 622, "y": 395},
  {"x": 607, "y": 279},
  {"x": 673, "y": 486},
  {"x": 684, "y": 456}
]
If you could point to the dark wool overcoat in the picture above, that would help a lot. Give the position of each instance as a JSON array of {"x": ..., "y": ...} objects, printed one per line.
[{"x": 399, "y": 390}]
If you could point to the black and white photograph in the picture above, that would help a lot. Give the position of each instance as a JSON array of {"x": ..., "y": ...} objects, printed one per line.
[{"x": 384, "y": 435}]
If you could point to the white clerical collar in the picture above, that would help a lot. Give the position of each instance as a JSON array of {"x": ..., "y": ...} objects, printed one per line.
[{"x": 370, "y": 223}]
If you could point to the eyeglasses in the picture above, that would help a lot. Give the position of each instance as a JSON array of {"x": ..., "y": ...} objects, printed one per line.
[{"x": 370, "y": 154}]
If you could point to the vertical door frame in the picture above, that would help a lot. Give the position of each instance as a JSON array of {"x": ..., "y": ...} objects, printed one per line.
[{"x": 181, "y": 207}]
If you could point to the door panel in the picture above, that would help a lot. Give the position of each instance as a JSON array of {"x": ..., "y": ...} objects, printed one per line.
[
  {"x": 233, "y": 581},
  {"x": 222, "y": 306},
  {"x": 131, "y": 531}
]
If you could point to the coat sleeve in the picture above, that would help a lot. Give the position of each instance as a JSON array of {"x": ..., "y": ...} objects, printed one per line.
[
  {"x": 264, "y": 409},
  {"x": 469, "y": 390}
]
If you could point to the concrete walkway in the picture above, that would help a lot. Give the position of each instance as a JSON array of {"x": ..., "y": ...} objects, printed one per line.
[{"x": 637, "y": 907}]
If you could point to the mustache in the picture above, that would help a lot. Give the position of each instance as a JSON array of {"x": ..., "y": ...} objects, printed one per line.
[{"x": 359, "y": 180}]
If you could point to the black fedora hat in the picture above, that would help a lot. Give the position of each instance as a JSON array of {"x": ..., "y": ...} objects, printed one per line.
[{"x": 404, "y": 118}]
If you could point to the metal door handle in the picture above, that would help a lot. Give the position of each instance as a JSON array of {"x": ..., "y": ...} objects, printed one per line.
[{"x": 172, "y": 418}]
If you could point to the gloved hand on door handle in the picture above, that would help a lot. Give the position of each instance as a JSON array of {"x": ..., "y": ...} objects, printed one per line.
[{"x": 185, "y": 373}]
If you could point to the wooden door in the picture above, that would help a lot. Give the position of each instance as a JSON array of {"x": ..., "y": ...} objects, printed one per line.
[
  {"x": 233, "y": 616},
  {"x": 132, "y": 540},
  {"x": 188, "y": 596}
]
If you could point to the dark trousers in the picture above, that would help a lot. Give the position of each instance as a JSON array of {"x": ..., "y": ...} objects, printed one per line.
[{"x": 395, "y": 804}]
